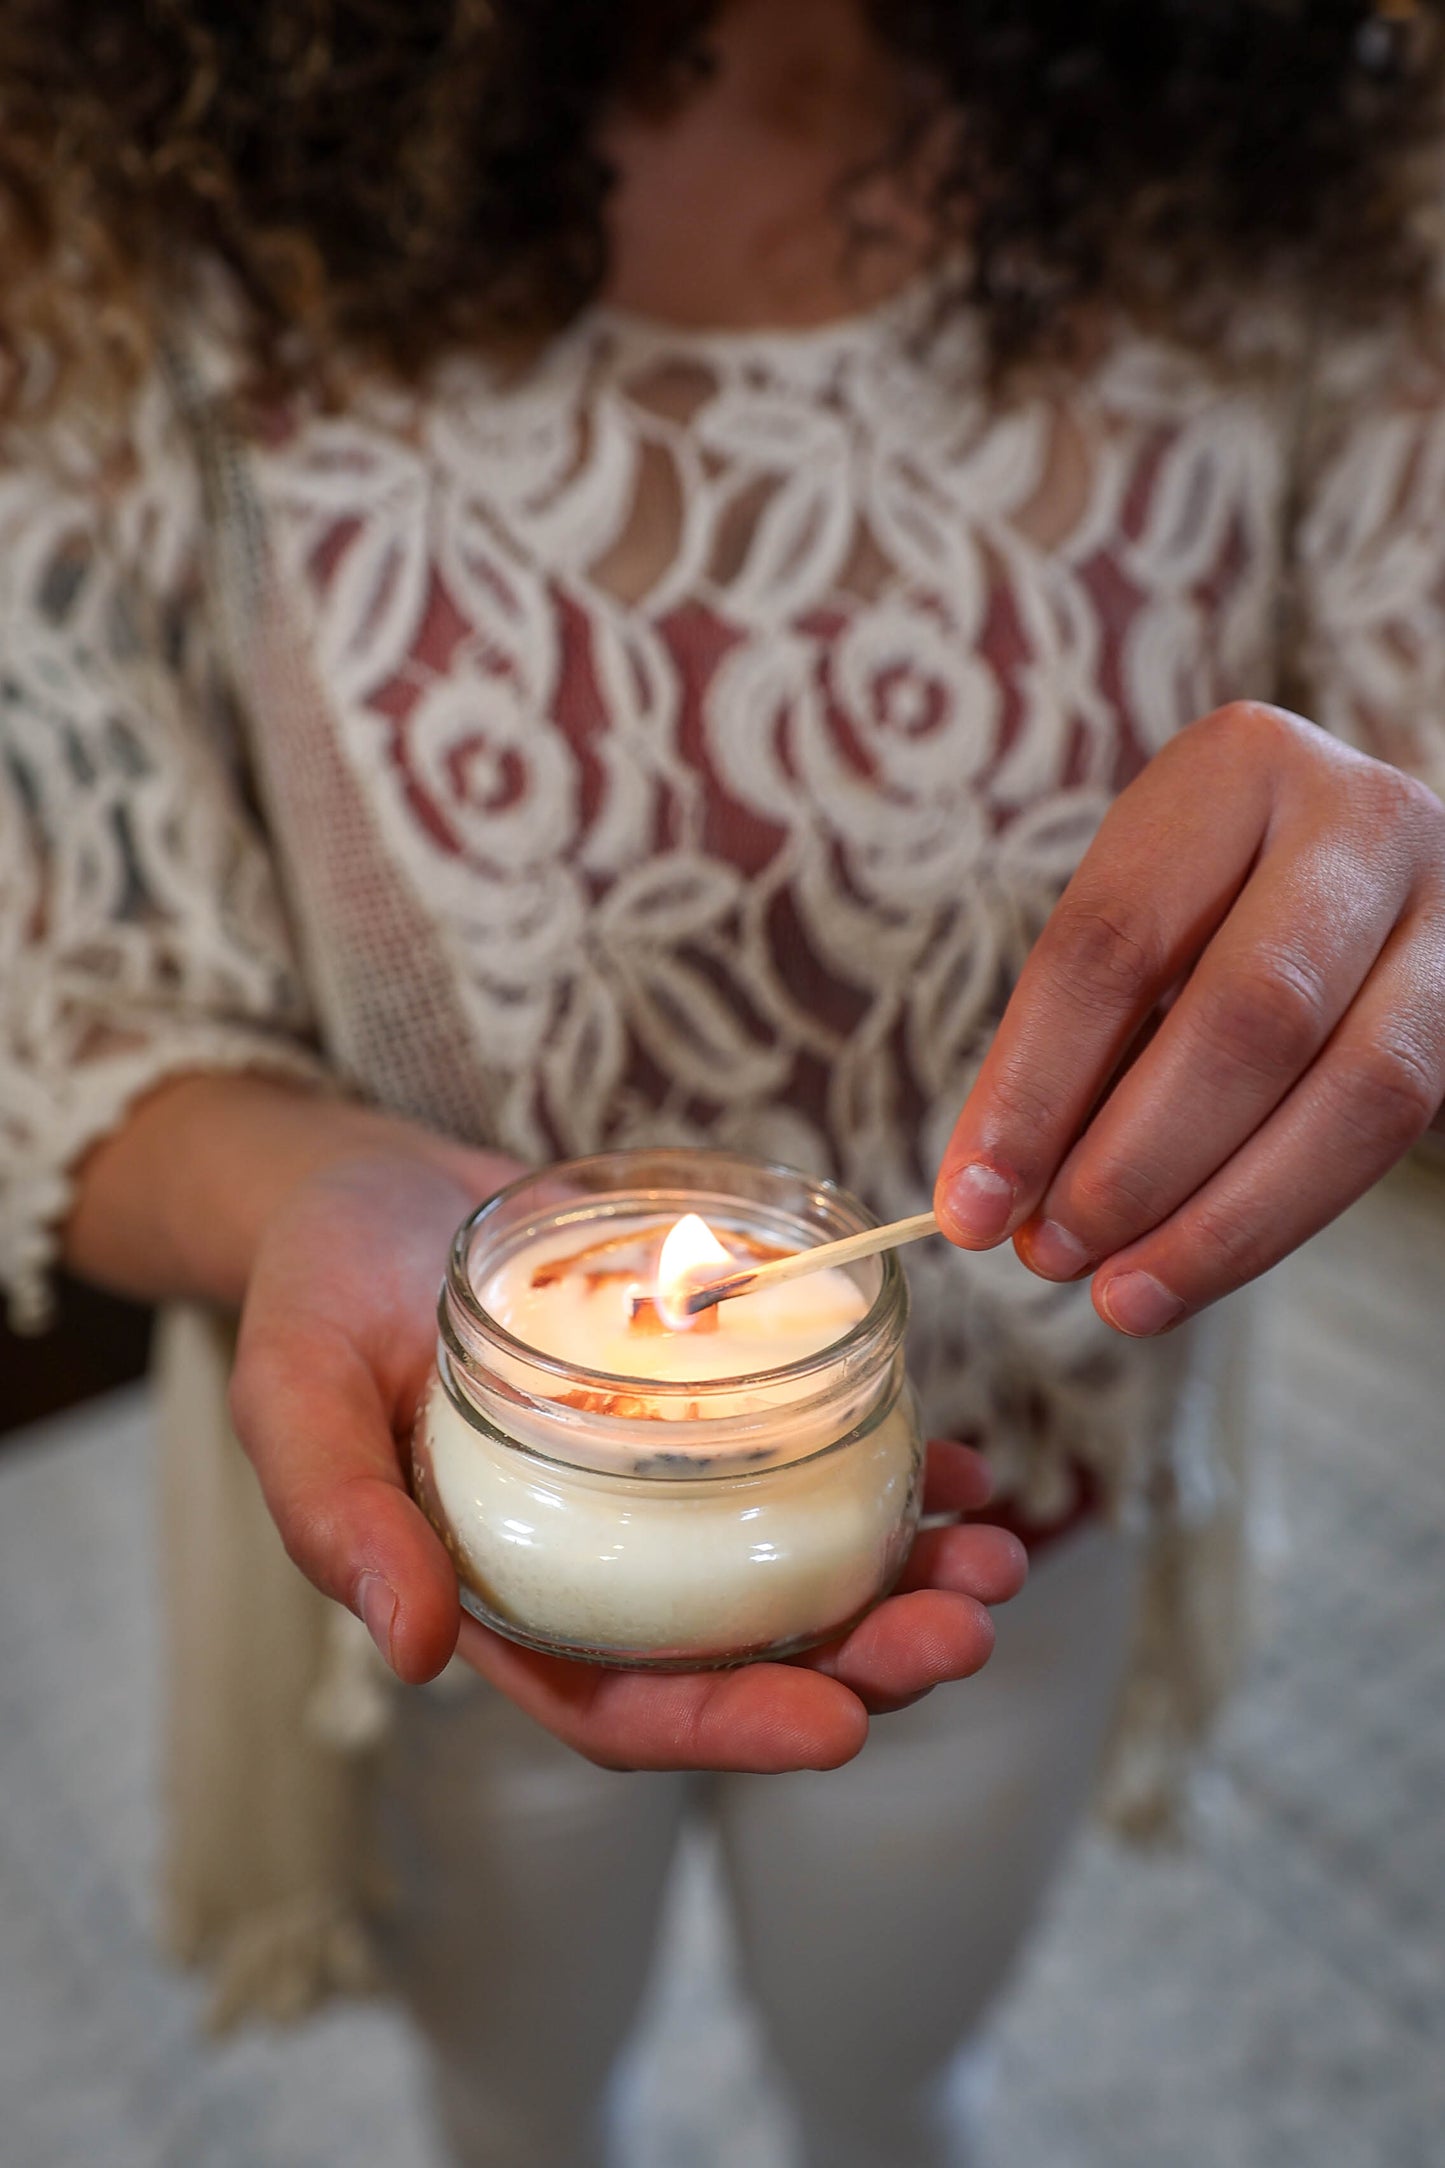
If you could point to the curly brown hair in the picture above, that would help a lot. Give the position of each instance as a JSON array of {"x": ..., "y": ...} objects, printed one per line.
[{"x": 394, "y": 178}]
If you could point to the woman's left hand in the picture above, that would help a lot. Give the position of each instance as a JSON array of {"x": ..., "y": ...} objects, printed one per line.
[{"x": 1289, "y": 895}]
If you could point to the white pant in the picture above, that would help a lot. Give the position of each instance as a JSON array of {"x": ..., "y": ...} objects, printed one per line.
[{"x": 877, "y": 1907}]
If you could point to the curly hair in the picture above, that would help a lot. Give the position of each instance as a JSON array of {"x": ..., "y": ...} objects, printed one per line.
[{"x": 396, "y": 178}]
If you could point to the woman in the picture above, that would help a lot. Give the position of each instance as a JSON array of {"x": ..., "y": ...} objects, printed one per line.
[{"x": 592, "y": 573}]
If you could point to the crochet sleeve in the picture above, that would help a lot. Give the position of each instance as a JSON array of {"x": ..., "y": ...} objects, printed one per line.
[
  {"x": 1369, "y": 654},
  {"x": 141, "y": 933}
]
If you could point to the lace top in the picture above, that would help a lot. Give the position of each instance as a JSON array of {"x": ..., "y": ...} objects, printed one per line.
[{"x": 687, "y": 741}]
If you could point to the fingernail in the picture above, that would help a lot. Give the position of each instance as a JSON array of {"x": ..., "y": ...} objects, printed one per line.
[
  {"x": 376, "y": 1601},
  {"x": 1054, "y": 1253},
  {"x": 1139, "y": 1304},
  {"x": 980, "y": 1203}
]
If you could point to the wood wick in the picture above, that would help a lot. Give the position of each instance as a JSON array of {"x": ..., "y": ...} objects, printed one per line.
[{"x": 647, "y": 1320}]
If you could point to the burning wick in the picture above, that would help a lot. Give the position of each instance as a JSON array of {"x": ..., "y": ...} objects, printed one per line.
[{"x": 691, "y": 1257}]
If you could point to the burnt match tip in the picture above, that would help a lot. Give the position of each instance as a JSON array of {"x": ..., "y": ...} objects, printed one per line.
[
  {"x": 708, "y": 1298},
  {"x": 644, "y": 1316}
]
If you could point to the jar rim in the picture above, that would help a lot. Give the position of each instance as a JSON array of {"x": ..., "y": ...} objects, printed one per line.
[{"x": 886, "y": 1314}]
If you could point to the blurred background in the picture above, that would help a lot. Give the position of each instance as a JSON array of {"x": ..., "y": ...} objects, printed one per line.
[
  {"x": 1271, "y": 1993},
  {"x": 97, "y": 1343}
]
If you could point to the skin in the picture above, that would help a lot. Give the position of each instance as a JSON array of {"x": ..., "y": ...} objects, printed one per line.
[
  {"x": 1282, "y": 900},
  {"x": 725, "y": 214}
]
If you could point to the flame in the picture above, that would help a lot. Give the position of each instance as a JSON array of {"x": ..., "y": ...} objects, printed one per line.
[{"x": 692, "y": 1257}]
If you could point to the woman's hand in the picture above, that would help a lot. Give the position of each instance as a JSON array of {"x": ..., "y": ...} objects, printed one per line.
[
  {"x": 1289, "y": 895},
  {"x": 337, "y": 1340}
]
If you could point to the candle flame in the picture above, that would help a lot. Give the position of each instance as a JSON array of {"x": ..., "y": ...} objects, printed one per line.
[{"x": 692, "y": 1257}]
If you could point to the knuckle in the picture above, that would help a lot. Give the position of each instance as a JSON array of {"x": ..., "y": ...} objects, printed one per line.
[
  {"x": 1116, "y": 1192},
  {"x": 317, "y": 1526},
  {"x": 1253, "y": 721},
  {"x": 1428, "y": 808},
  {"x": 309, "y": 1539},
  {"x": 1386, "y": 1091},
  {"x": 1424, "y": 820},
  {"x": 1229, "y": 1246},
  {"x": 1397, "y": 821},
  {"x": 1269, "y": 1015},
  {"x": 1108, "y": 953},
  {"x": 1403, "y": 802},
  {"x": 1027, "y": 1103}
]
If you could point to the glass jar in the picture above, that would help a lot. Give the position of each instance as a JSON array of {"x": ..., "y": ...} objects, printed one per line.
[{"x": 675, "y": 1524}]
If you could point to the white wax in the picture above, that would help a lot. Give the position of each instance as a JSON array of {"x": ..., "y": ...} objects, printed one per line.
[
  {"x": 685, "y": 1569},
  {"x": 585, "y": 1317}
]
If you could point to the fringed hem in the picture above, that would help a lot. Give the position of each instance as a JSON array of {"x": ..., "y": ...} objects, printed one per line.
[
  {"x": 278, "y": 1964},
  {"x": 1195, "y": 1611},
  {"x": 268, "y": 1880}
]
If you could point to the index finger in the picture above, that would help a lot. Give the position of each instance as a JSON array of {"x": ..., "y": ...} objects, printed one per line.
[{"x": 1157, "y": 881}]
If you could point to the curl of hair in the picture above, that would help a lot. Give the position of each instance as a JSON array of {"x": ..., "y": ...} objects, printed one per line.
[{"x": 393, "y": 179}]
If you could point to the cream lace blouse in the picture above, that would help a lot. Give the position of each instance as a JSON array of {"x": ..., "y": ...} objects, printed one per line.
[{"x": 687, "y": 741}]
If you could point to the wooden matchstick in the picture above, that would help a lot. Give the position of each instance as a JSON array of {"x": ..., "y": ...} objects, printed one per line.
[{"x": 756, "y": 1277}]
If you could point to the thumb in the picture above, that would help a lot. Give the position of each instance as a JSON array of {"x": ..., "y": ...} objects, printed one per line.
[{"x": 310, "y": 1415}]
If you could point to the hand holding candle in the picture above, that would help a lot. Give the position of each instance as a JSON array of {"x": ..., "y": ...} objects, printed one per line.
[{"x": 338, "y": 1337}]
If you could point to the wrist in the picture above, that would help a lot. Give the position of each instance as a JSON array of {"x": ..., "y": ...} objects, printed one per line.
[{"x": 175, "y": 1202}]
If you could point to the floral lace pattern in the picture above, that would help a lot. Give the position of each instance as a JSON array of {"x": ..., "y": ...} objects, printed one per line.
[
  {"x": 685, "y": 742},
  {"x": 1371, "y": 555},
  {"x": 738, "y": 707},
  {"x": 139, "y": 932}
]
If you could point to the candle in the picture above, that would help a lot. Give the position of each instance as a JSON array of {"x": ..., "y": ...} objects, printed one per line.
[
  {"x": 611, "y": 1307},
  {"x": 617, "y": 1481}
]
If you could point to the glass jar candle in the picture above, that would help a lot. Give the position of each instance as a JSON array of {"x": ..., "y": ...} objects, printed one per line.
[{"x": 612, "y": 1487}]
